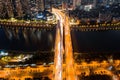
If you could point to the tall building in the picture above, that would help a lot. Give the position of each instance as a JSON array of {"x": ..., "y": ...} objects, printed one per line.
[
  {"x": 58, "y": 1},
  {"x": 19, "y": 8},
  {"x": 40, "y": 5},
  {"x": 25, "y": 6},
  {"x": 105, "y": 2},
  {"x": 76, "y": 3},
  {"x": 95, "y": 3},
  {"x": 117, "y": 1},
  {"x": 1, "y": 7},
  {"x": 51, "y": 3},
  {"x": 48, "y": 4},
  {"x": 70, "y": 1},
  {"x": 9, "y": 8},
  {"x": 84, "y": 2}
]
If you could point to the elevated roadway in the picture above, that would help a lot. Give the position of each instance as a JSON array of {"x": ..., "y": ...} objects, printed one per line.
[
  {"x": 26, "y": 24},
  {"x": 64, "y": 23},
  {"x": 96, "y": 27},
  {"x": 58, "y": 59}
]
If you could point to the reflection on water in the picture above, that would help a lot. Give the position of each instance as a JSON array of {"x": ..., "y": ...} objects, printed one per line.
[
  {"x": 96, "y": 41},
  {"x": 27, "y": 39}
]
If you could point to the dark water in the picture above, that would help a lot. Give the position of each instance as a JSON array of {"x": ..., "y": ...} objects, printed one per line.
[
  {"x": 27, "y": 40},
  {"x": 96, "y": 41},
  {"x": 44, "y": 40}
]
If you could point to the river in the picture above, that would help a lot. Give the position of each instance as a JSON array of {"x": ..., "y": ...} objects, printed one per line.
[
  {"x": 27, "y": 39},
  {"x": 96, "y": 41},
  {"x": 44, "y": 40}
]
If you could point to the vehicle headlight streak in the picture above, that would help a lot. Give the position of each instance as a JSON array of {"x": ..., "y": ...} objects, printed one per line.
[
  {"x": 70, "y": 73},
  {"x": 58, "y": 49}
]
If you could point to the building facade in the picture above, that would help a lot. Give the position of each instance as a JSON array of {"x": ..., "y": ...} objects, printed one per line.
[
  {"x": 40, "y": 5},
  {"x": 19, "y": 8},
  {"x": 84, "y": 2},
  {"x": 1, "y": 8},
  {"x": 9, "y": 8}
]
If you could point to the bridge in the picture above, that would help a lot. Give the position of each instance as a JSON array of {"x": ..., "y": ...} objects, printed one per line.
[
  {"x": 96, "y": 27},
  {"x": 41, "y": 34},
  {"x": 26, "y": 24},
  {"x": 50, "y": 25},
  {"x": 69, "y": 70}
]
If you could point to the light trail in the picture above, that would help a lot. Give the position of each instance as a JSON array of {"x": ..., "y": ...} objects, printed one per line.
[
  {"x": 70, "y": 71},
  {"x": 64, "y": 21},
  {"x": 58, "y": 59}
]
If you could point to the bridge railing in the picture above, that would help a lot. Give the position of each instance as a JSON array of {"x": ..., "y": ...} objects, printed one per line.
[
  {"x": 26, "y": 24},
  {"x": 89, "y": 27}
]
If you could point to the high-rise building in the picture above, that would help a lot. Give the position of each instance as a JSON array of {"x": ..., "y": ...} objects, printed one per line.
[
  {"x": 40, "y": 5},
  {"x": 105, "y": 2},
  {"x": 84, "y": 2},
  {"x": 51, "y": 3},
  {"x": 26, "y": 6},
  {"x": 117, "y": 1},
  {"x": 48, "y": 4},
  {"x": 9, "y": 8},
  {"x": 19, "y": 8},
  {"x": 58, "y": 1},
  {"x": 95, "y": 3},
  {"x": 76, "y": 3},
  {"x": 70, "y": 1},
  {"x": 1, "y": 7}
]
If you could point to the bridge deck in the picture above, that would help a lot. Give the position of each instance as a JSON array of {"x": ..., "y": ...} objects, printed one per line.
[
  {"x": 96, "y": 27},
  {"x": 26, "y": 25}
]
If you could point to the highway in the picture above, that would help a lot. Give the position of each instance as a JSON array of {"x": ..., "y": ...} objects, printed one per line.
[
  {"x": 58, "y": 59},
  {"x": 64, "y": 22}
]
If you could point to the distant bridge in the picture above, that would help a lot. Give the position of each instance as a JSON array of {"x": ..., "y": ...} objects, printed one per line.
[
  {"x": 49, "y": 26},
  {"x": 27, "y": 25},
  {"x": 96, "y": 27},
  {"x": 39, "y": 33}
]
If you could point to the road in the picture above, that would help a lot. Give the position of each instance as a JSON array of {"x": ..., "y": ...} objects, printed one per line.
[
  {"x": 58, "y": 59},
  {"x": 64, "y": 23}
]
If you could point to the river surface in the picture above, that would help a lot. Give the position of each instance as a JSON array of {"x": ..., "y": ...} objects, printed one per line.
[
  {"x": 27, "y": 40},
  {"x": 96, "y": 41},
  {"x": 44, "y": 40}
]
